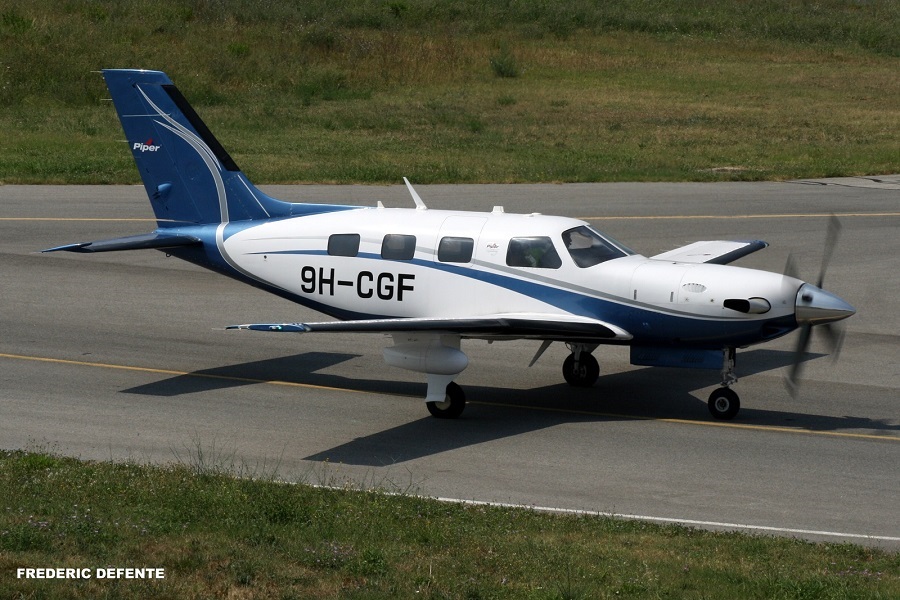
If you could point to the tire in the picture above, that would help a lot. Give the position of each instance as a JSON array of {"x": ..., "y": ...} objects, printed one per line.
[
  {"x": 724, "y": 404},
  {"x": 585, "y": 374},
  {"x": 450, "y": 408}
]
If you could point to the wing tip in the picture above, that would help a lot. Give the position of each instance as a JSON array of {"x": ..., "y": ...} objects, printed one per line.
[{"x": 79, "y": 247}]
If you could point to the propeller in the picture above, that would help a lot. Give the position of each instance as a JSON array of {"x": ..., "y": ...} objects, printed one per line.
[
  {"x": 831, "y": 237},
  {"x": 834, "y": 334}
]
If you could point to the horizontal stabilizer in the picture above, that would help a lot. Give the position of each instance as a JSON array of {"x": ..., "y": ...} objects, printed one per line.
[
  {"x": 713, "y": 252},
  {"x": 134, "y": 242},
  {"x": 532, "y": 326}
]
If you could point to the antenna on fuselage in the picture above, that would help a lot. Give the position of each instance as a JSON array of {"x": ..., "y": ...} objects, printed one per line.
[{"x": 419, "y": 204}]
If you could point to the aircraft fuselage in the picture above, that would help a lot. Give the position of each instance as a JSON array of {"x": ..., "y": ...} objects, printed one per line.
[{"x": 657, "y": 301}]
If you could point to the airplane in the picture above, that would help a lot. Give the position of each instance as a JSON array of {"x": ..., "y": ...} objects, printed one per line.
[{"x": 431, "y": 278}]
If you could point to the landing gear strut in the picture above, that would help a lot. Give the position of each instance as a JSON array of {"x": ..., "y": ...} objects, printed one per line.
[
  {"x": 724, "y": 403},
  {"x": 580, "y": 368}
]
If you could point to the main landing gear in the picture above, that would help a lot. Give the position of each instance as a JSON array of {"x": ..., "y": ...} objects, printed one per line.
[
  {"x": 452, "y": 406},
  {"x": 724, "y": 403},
  {"x": 580, "y": 368}
]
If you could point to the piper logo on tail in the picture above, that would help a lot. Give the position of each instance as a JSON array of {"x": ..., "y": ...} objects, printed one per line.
[{"x": 146, "y": 146}]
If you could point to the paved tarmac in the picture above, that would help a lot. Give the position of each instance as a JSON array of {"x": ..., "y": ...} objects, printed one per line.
[{"x": 122, "y": 356}]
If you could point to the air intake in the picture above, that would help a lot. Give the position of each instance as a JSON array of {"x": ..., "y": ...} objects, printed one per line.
[{"x": 750, "y": 306}]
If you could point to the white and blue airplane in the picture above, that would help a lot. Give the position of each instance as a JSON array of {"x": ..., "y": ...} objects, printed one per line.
[{"x": 431, "y": 278}]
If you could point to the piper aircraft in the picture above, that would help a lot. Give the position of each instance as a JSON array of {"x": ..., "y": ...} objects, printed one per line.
[{"x": 431, "y": 278}]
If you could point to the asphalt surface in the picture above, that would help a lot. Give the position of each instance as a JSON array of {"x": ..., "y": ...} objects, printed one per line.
[{"x": 122, "y": 356}]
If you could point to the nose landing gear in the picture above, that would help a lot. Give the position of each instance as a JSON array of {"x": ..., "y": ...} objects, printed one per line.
[
  {"x": 581, "y": 369},
  {"x": 724, "y": 403}
]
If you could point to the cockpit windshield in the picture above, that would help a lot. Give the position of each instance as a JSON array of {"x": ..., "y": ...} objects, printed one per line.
[{"x": 588, "y": 247}]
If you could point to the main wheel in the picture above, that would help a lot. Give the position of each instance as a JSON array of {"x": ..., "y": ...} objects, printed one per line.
[
  {"x": 724, "y": 404},
  {"x": 584, "y": 374},
  {"x": 452, "y": 406}
]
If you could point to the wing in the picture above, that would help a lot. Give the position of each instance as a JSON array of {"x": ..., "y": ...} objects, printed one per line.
[
  {"x": 531, "y": 326},
  {"x": 716, "y": 252}
]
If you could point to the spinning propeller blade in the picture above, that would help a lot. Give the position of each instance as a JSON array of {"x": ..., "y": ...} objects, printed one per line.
[
  {"x": 831, "y": 238},
  {"x": 790, "y": 267},
  {"x": 818, "y": 308},
  {"x": 792, "y": 381}
]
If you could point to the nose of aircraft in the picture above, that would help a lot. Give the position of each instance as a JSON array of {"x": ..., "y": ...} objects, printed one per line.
[{"x": 815, "y": 306}]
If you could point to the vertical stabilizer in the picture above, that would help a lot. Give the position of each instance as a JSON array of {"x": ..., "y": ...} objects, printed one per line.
[{"x": 189, "y": 176}]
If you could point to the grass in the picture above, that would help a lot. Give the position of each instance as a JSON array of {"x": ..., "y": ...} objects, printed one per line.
[
  {"x": 220, "y": 536},
  {"x": 460, "y": 91}
]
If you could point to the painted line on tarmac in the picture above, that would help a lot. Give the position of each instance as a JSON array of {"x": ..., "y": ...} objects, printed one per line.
[
  {"x": 81, "y": 363},
  {"x": 728, "y": 425},
  {"x": 606, "y": 218},
  {"x": 75, "y": 219},
  {"x": 630, "y": 517},
  {"x": 765, "y": 428},
  {"x": 780, "y": 216},
  {"x": 674, "y": 521}
]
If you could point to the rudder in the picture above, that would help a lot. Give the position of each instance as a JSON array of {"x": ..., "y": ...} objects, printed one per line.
[{"x": 188, "y": 175}]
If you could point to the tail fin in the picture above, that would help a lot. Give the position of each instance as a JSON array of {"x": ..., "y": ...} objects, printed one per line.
[{"x": 189, "y": 176}]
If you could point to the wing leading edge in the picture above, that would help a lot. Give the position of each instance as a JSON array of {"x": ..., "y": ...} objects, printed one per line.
[{"x": 531, "y": 326}]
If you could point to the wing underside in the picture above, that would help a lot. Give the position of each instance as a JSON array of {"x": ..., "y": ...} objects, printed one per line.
[{"x": 530, "y": 326}]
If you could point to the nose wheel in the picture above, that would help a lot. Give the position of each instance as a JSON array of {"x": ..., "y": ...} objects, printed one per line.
[{"x": 724, "y": 404}]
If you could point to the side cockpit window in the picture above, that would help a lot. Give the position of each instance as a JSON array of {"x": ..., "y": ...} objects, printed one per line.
[
  {"x": 398, "y": 247},
  {"x": 536, "y": 252},
  {"x": 588, "y": 248},
  {"x": 456, "y": 249},
  {"x": 343, "y": 244}
]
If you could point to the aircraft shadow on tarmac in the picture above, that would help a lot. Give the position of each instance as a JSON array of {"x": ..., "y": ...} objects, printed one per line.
[
  {"x": 299, "y": 368},
  {"x": 496, "y": 413}
]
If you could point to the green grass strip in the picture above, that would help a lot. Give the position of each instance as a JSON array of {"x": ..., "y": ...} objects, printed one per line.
[{"x": 220, "y": 536}]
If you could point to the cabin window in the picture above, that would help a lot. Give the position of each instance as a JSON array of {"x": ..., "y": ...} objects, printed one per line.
[
  {"x": 536, "y": 252},
  {"x": 343, "y": 244},
  {"x": 398, "y": 247},
  {"x": 588, "y": 248},
  {"x": 456, "y": 249}
]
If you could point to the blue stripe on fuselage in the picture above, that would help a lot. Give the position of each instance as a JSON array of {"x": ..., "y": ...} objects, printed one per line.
[
  {"x": 645, "y": 325},
  {"x": 209, "y": 257}
]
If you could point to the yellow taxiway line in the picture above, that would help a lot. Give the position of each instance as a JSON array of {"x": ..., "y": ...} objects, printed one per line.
[
  {"x": 67, "y": 219},
  {"x": 777, "y": 216},
  {"x": 586, "y": 413},
  {"x": 81, "y": 363},
  {"x": 601, "y": 218},
  {"x": 729, "y": 425}
]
